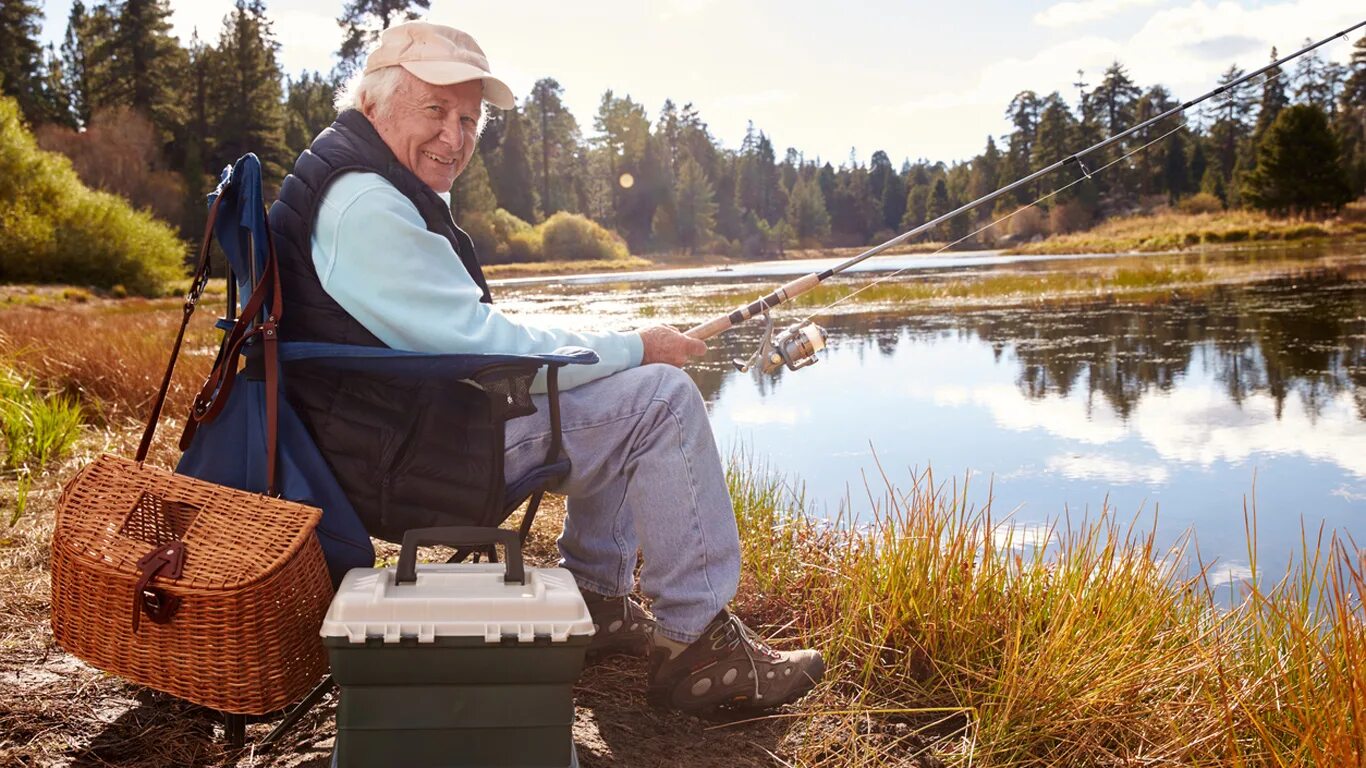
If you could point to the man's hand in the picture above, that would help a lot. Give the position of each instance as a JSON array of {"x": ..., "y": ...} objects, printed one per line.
[{"x": 665, "y": 344}]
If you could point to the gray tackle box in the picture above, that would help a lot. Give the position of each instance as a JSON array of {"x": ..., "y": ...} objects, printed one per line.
[{"x": 456, "y": 664}]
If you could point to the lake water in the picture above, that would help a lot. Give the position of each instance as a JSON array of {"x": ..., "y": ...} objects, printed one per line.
[{"x": 1180, "y": 403}]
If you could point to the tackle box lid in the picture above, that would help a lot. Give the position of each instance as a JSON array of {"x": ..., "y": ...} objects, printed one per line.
[{"x": 457, "y": 600}]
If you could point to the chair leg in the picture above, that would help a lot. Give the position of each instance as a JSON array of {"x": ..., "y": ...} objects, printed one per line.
[
  {"x": 235, "y": 730},
  {"x": 302, "y": 708}
]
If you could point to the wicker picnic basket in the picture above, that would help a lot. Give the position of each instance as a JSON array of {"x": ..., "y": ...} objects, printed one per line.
[{"x": 205, "y": 592}]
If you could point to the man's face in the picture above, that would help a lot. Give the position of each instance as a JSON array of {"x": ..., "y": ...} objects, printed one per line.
[{"x": 431, "y": 129}]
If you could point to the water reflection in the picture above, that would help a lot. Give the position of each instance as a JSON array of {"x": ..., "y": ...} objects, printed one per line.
[{"x": 1185, "y": 403}]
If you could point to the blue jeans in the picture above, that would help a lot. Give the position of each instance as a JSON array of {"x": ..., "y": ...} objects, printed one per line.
[{"x": 646, "y": 476}]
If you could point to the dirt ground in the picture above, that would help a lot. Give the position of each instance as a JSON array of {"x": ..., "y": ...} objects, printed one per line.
[{"x": 57, "y": 711}]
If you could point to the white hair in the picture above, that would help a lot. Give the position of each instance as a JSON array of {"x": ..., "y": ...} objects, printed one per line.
[{"x": 377, "y": 89}]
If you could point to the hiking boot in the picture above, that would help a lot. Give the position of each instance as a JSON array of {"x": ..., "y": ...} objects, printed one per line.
[
  {"x": 622, "y": 625},
  {"x": 729, "y": 667}
]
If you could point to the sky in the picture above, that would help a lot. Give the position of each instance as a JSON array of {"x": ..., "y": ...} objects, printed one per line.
[{"x": 914, "y": 78}]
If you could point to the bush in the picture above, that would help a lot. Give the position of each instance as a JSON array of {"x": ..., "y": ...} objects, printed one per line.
[
  {"x": 53, "y": 229},
  {"x": 571, "y": 237},
  {"x": 523, "y": 247},
  {"x": 120, "y": 152},
  {"x": 1068, "y": 217},
  {"x": 1203, "y": 202},
  {"x": 493, "y": 234},
  {"x": 1027, "y": 225}
]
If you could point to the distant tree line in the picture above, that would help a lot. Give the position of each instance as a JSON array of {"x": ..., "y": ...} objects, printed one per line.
[{"x": 121, "y": 89}]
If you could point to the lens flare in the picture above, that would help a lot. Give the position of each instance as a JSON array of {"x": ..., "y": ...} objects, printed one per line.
[{"x": 626, "y": 181}]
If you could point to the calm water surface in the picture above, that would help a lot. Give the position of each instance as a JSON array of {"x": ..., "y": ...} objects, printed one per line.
[{"x": 1181, "y": 404}]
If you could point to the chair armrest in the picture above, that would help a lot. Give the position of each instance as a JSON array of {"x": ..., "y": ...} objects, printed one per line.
[{"x": 459, "y": 366}]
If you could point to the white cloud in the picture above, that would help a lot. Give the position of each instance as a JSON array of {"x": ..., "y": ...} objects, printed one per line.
[
  {"x": 1185, "y": 47},
  {"x": 1081, "y": 11},
  {"x": 765, "y": 414},
  {"x": 1063, "y": 417},
  {"x": 1107, "y": 469},
  {"x": 1022, "y": 536},
  {"x": 1201, "y": 426}
]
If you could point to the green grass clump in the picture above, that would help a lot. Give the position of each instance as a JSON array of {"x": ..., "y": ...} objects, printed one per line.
[
  {"x": 37, "y": 430},
  {"x": 53, "y": 229},
  {"x": 1066, "y": 644}
]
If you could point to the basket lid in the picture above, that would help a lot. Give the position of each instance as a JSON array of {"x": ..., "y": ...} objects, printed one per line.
[
  {"x": 457, "y": 600},
  {"x": 116, "y": 510}
]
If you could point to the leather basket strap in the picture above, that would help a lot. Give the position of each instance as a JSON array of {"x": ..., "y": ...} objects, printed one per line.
[{"x": 197, "y": 284}]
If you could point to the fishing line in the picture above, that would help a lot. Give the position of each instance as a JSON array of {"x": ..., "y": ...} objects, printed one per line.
[
  {"x": 1007, "y": 217},
  {"x": 796, "y": 346},
  {"x": 1086, "y": 175}
]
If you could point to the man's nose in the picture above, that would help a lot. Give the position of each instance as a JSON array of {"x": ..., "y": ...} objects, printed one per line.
[{"x": 452, "y": 134}]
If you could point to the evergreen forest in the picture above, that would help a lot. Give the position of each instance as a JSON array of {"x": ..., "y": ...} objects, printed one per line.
[{"x": 147, "y": 117}]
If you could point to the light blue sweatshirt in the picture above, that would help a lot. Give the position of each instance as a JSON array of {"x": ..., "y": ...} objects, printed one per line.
[{"x": 406, "y": 285}]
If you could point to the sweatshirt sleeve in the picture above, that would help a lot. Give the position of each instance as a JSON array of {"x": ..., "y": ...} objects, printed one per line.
[{"x": 406, "y": 285}]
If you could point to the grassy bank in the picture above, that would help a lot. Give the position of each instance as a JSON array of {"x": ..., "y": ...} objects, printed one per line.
[
  {"x": 951, "y": 639},
  {"x": 539, "y": 268},
  {"x": 1178, "y": 231}
]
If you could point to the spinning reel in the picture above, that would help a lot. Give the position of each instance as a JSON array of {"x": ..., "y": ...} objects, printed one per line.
[{"x": 796, "y": 347}]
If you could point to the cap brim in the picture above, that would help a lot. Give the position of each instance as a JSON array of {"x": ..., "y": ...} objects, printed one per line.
[{"x": 496, "y": 92}]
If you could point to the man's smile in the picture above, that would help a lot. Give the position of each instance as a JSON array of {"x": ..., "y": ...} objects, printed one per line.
[{"x": 438, "y": 158}]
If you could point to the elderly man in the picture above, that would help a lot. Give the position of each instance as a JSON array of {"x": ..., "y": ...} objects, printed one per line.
[{"x": 369, "y": 255}]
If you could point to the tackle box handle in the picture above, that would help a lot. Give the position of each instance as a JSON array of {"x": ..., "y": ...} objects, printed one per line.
[{"x": 460, "y": 536}]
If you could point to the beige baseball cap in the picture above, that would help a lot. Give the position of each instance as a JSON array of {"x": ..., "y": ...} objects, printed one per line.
[{"x": 439, "y": 55}]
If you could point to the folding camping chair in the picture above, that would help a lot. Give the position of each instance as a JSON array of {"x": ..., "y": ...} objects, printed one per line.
[{"x": 238, "y": 435}]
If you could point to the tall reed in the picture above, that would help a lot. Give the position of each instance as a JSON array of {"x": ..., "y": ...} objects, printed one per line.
[{"x": 1078, "y": 643}]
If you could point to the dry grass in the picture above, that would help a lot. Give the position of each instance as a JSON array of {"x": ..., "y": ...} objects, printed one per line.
[
  {"x": 1176, "y": 231},
  {"x": 566, "y": 267},
  {"x": 110, "y": 355},
  {"x": 1103, "y": 651},
  {"x": 950, "y": 638}
]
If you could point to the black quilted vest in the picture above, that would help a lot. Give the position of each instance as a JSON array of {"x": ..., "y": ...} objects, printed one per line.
[{"x": 404, "y": 451}]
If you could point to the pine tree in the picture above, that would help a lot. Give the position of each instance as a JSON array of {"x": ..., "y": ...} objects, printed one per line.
[
  {"x": 986, "y": 169},
  {"x": 806, "y": 216},
  {"x": 511, "y": 174},
  {"x": 758, "y": 190},
  {"x": 21, "y": 58},
  {"x": 1298, "y": 166},
  {"x": 1115, "y": 98},
  {"x": 1023, "y": 112},
  {"x": 1147, "y": 172},
  {"x": 362, "y": 21},
  {"x": 1054, "y": 137},
  {"x": 553, "y": 137},
  {"x": 472, "y": 194},
  {"x": 1228, "y": 136},
  {"x": 1176, "y": 172},
  {"x": 1351, "y": 120},
  {"x": 245, "y": 103},
  {"x": 695, "y": 208},
  {"x": 308, "y": 109},
  {"x": 939, "y": 204},
  {"x": 140, "y": 64},
  {"x": 1312, "y": 85},
  {"x": 1273, "y": 99},
  {"x": 75, "y": 57},
  {"x": 893, "y": 202}
]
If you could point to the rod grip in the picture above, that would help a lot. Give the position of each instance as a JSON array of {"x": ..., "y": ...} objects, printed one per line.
[
  {"x": 713, "y": 327},
  {"x": 722, "y": 323}
]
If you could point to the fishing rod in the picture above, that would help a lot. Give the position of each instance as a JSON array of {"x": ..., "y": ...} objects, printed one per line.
[{"x": 796, "y": 346}]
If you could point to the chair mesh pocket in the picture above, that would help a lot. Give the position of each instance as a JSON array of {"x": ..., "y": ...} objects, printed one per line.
[
  {"x": 157, "y": 521},
  {"x": 509, "y": 392}
]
